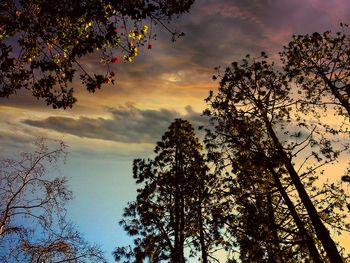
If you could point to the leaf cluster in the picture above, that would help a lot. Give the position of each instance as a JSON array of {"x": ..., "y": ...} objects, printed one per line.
[{"x": 42, "y": 43}]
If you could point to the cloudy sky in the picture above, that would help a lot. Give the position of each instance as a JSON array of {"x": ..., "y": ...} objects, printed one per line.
[{"x": 108, "y": 129}]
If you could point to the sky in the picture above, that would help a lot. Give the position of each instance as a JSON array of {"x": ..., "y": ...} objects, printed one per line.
[{"x": 106, "y": 130}]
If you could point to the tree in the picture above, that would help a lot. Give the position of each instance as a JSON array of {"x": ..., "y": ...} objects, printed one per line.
[
  {"x": 259, "y": 218},
  {"x": 256, "y": 117},
  {"x": 33, "y": 227},
  {"x": 319, "y": 63},
  {"x": 42, "y": 42},
  {"x": 171, "y": 212}
]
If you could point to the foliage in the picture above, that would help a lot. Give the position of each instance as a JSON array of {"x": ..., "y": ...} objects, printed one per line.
[
  {"x": 42, "y": 42},
  {"x": 33, "y": 227},
  {"x": 171, "y": 212},
  {"x": 271, "y": 146},
  {"x": 275, "y": 156},
  {"x": 319, "y": 63}
]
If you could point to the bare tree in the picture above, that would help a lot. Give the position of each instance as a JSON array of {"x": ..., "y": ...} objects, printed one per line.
[{"x": 33, "y": 225}]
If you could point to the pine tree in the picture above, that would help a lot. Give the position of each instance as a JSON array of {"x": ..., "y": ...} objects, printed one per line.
[
  {"x": 253, "y": 114},
  {"x": 169, "y": 216}
]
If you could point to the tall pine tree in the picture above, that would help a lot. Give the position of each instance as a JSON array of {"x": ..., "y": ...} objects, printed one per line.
[{"x": 170, "y": 214}]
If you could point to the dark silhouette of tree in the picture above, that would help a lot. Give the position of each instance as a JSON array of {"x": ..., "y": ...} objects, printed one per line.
[
  {"x": 33, "y": 227},
  {"x": 42, "y": 42},
  {"x": 319, "y": 65},
  {"x": 257, "y": 126},
  {"x": 171, "y": 212},
  {"x": 257, "y": 220}
]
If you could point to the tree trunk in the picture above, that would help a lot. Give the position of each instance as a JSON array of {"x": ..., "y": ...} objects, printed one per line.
[
  {"x": 334, "y": 90},
  {"x": 274, "y": 250},
  {"x": 321, "y": 231},
  {"x": 176, "y": 254},
  {"x": 201, "y": 231},
  {"x": 181, "y": 259},
  {"x": 179, "y": 256},
  {"x": 302, "y": 230}
]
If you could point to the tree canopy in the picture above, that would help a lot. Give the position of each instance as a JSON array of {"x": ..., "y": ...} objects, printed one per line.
[
  {"x": 270, "y": 193},
  {"x": 269, "y": 144},
  {"x": 170, "y": 216},
  {"x": 267, "y": 141},
  {"x": 42, "y": 42},
  {"x": 319, "y": 64}
]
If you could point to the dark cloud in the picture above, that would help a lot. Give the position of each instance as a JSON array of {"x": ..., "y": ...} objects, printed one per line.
[
  {"x": 218, "y": 32},
  {"x": 221, "y": 31},
  {"x": 127, "y": 124}
]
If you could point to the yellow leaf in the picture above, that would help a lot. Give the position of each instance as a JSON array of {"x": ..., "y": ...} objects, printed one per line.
[
  {"x": 88, "y": 25},
  {"x": 132, "y": 34},
  {"x": 145, "y": 29}
]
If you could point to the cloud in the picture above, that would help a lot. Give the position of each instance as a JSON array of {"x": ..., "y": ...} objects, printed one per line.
[
  {"x": 226, "y": 30},
  {"x": 127, "y": 124},
  {"x": 217, "y": 33}
]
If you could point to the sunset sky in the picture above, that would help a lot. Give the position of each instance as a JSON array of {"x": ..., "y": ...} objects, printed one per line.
[{"x": 105, "y": 131}]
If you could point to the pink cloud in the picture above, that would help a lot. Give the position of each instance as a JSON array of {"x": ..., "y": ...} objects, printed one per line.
[
  {"x": 335, "y": 10},
  {"x": 230, "y": 10}
]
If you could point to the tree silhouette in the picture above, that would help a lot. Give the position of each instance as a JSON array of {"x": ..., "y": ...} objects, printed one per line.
[
  {"x": 253, "y": 114},
  {"x": 42, "y": 42},
  {"x": 319, "y": 64},
  {"x": 33, "y": 227},
  {"x": 171, "y": 212},
  {"x": 260, "y": 217}
]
